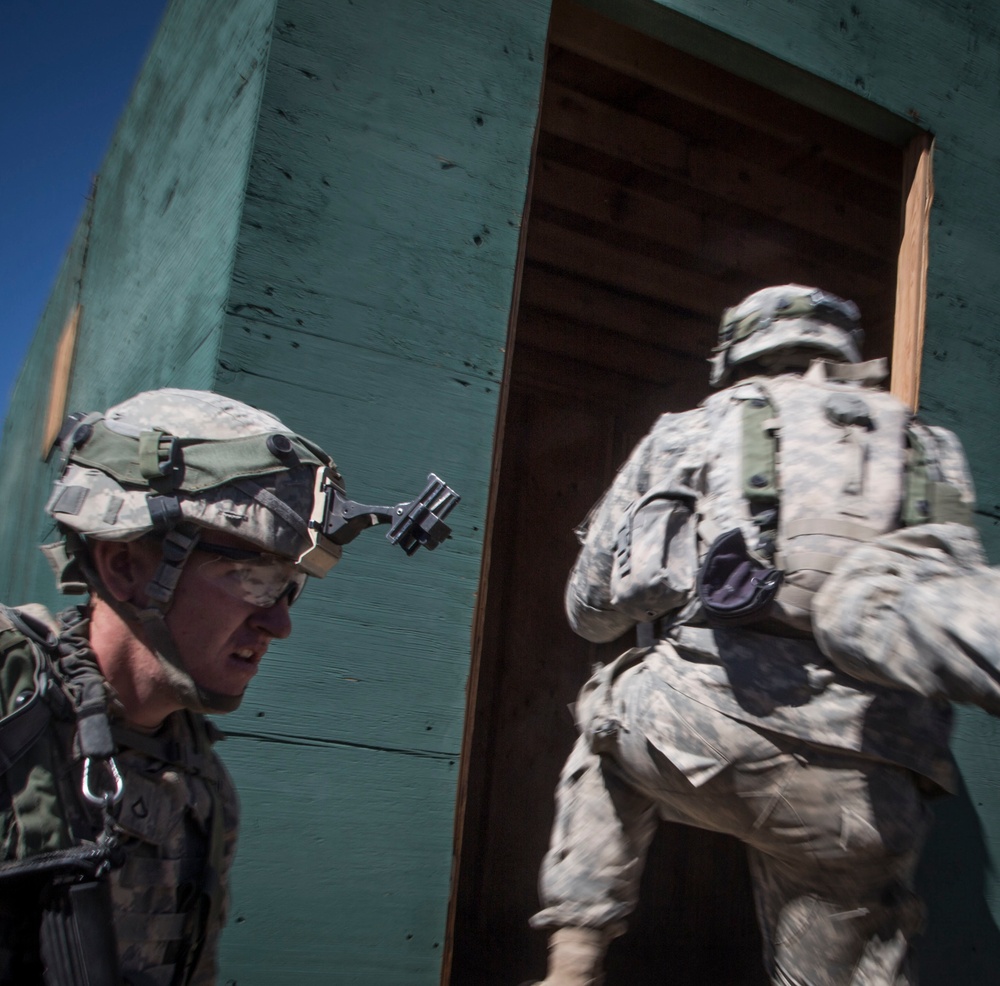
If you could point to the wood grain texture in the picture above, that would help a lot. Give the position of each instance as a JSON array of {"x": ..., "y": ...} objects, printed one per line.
[
  {"x": 369, "y": 307},
  {"x": 359, "y": 284},
  {"x": 911, "y": 284}
]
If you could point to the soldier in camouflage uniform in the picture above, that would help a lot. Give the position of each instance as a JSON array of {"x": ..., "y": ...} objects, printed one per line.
[
  {"x": 731, "y": 718},
  {"x": 192, "y": 521}
]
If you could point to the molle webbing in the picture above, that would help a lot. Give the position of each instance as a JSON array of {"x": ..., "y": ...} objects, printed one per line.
[
  {"x": 838, "y": 467},
  {"x": 929, "y": 497},
  {"x": 825, "y": 469},
  {"x": 760, "y": 477},
  {"x": 21, "y": 728}
]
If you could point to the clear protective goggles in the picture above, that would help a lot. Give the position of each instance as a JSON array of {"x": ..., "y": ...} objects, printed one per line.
[{"x": 254, "y": 577}]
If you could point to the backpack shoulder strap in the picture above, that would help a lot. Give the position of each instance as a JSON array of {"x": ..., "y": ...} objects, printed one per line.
[
  {"x": 26, "y": 667},
  {"x": 938, "y": 487}
]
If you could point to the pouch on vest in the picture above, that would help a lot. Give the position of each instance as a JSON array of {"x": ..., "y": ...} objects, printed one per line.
[
  {"x": 656, "y": 557},
  {"x": 44, "y": 860},
  {"x": 734, "y": 588}
]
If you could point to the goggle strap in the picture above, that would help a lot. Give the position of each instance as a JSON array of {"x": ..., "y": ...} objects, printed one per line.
[{"x": 275, "y": 504}]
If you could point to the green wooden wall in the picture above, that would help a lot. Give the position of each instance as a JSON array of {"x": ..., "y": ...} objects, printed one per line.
[
  {"x": 314, "y": 205},
  {"x": 369, "y": 308}
]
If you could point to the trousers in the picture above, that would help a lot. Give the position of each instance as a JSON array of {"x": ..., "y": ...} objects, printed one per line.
[{"x": 833, "y": 840}]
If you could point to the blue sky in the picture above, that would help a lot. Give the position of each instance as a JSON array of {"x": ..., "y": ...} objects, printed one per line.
[{"x": 66, "y": 72}]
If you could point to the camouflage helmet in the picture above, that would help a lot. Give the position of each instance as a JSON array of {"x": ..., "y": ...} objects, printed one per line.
[
  {"x": 786, "y": 325},
  {"x": 169, "y": 457},
  {"x": 180, "y": 463}
]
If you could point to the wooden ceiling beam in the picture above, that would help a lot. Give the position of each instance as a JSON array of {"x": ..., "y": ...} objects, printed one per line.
[
  {"x": 588, "y": 343},
  {"x": 638, "y": 318},
  {"x": 587, "y": 33},
  {"x": 630, "y": 271},
  {"x": 708, "y": 167},
  {"x": 635, "y": 213}
]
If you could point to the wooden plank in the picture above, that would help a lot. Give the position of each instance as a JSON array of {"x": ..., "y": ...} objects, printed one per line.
[
  {"x": 682, "y": 225},
  {"x": 607, "y": 42},
  {"x": 543, "y": 372},
  {"x": 658, "y": 149},
  {"x": 606, "y": 350},
  {"x": 62, "y": 366},
  {"x": 629, "y": 270},
  {"x": 558, "y": 292},
  {"x": 799, "y": 154},
  {"x": 911, "y": 284},
  {"x": 478, "y": 727},
  {"x": 811, "y": 247}
]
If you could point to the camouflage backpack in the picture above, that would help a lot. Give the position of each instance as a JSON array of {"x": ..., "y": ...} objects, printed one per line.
[
  {"x": 796, "y": 464},
  {"x": 825, "y": 463}
]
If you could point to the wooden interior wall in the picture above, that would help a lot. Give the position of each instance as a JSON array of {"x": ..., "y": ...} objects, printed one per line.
[{"x": 664, "y": 190}]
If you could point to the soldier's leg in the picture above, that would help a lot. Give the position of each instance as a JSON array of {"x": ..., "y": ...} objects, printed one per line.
[
  {"x": 589, "y": 880},
  {"x": 833, "y": 851}
]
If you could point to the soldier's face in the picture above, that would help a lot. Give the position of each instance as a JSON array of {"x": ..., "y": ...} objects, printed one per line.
[{"x": 221, "y": 638}]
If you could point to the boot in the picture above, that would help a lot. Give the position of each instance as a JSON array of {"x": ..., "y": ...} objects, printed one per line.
[{"x": 576, "y": 957}]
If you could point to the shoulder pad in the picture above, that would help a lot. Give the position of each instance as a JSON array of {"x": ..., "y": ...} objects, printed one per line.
[{"x": 32, "y": 621}]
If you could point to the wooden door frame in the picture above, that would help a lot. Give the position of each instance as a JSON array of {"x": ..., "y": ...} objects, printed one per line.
[
  {"x": 911, "y": 270},
  {"x": 908, "y": 335}
]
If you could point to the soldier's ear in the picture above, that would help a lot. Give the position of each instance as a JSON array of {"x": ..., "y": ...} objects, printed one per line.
[{"x": 124, "y": 568}]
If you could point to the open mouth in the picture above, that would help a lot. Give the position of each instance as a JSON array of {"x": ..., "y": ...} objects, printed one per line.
[{"x": 246, "y": 656}]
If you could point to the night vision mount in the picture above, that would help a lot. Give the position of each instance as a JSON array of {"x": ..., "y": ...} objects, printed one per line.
[{"x": 414, "y": 523}]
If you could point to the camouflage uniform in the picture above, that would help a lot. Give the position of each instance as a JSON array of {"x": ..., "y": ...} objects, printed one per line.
[
  {"x": 179, "y": 818},
  {"x": 751, "y": 732},
  {"x": 916, "y": 609},
  {"x": 177, "y": 825}
]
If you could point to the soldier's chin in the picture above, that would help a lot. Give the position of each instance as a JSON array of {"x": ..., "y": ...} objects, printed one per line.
[{"x": 217, "y": 702}]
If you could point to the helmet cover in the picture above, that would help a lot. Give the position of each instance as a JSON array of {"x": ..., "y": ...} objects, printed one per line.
[
  {"x": 171, "y": 456},
  {"x": 783, "y": 320}
]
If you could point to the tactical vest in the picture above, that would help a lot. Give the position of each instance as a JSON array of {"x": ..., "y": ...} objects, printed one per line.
[{"x": 174, "y": 827}]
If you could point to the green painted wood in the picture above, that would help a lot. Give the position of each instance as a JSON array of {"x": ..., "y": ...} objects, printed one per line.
[
  {"x": 329, "y": 898},
  {"x": 370, "y": 302}
]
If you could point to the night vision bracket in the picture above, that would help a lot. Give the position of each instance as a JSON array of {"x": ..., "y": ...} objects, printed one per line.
[{"x": 414, "y": 523}]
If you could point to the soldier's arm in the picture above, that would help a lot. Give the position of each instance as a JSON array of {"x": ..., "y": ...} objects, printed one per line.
[
  {"x": 917, "y": 609},
  {"x": 656, "y": 463}
]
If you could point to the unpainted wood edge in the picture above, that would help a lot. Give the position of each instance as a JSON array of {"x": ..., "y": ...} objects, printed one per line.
[
  {"x": 911, "y": 275},
  {"x": 62, "y": 366}
]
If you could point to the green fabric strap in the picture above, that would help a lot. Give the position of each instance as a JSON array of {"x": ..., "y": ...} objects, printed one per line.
[
  {"x": 760, "y": 478},
  {"x": 206, "y": 463},
  {"x": 926, "y": 498}
]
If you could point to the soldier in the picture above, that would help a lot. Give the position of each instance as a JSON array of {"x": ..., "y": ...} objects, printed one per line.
[
  {"x": 712, "y": 540},
  {"x": 192, "y": 521}
]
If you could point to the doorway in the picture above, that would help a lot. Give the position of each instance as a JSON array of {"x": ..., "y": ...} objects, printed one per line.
[{"x": 664, "y": 189}]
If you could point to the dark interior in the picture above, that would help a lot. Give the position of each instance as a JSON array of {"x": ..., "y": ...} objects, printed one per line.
[{"x": 664, "y": 190}]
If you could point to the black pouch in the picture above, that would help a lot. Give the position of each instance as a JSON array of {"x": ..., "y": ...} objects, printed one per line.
[
  {"x": 73, "y": 934},
  {"x": 77, "y": 937},
  {"x": 734, "y": 588}
]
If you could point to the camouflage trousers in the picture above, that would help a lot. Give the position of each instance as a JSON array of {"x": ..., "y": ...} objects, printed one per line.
[{"x": 833, "y": 842}]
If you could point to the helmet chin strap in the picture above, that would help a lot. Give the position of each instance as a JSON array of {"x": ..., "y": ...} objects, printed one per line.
[{"x": 151, "y": 622}]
